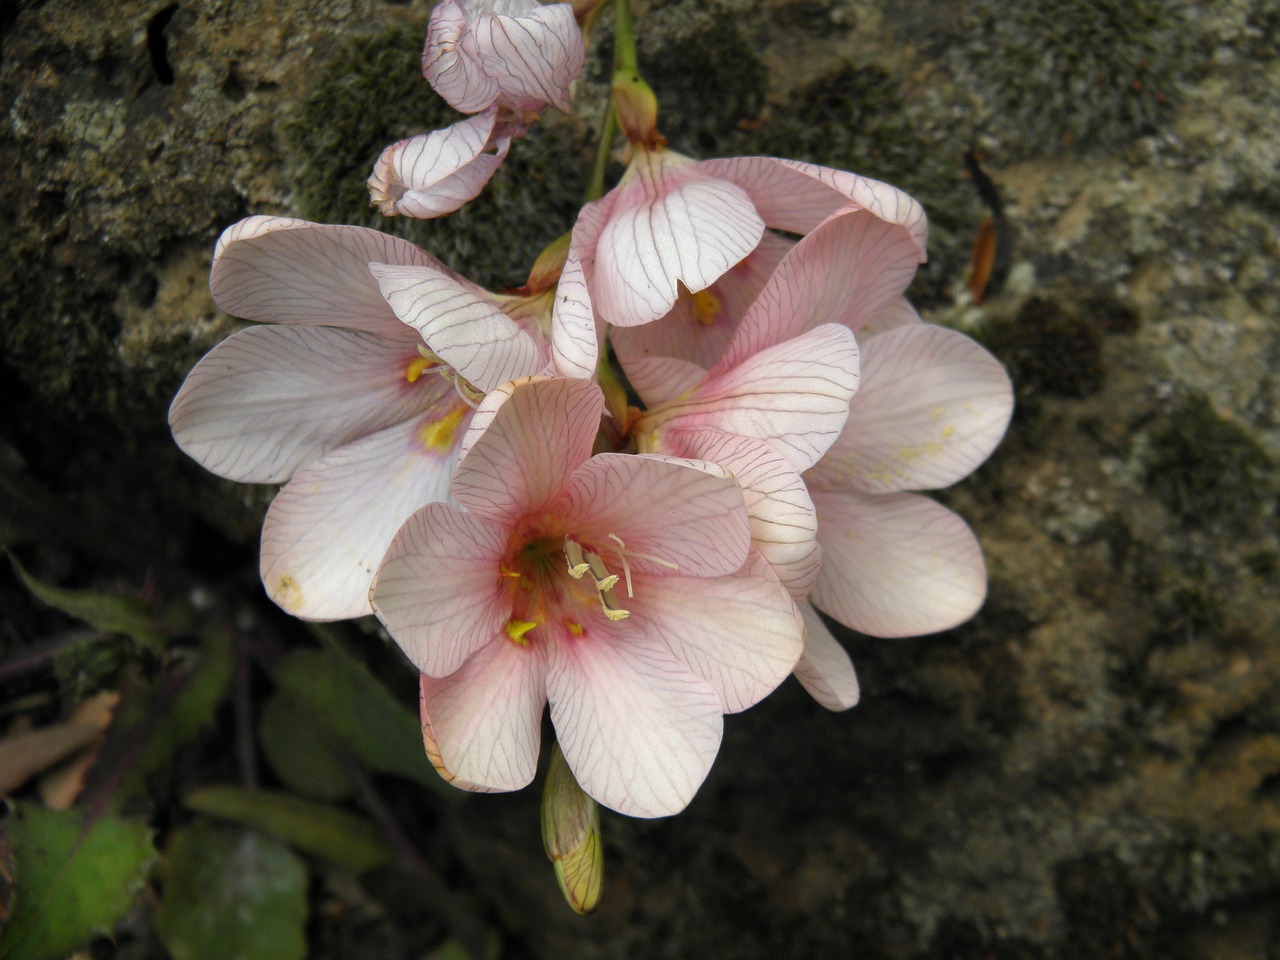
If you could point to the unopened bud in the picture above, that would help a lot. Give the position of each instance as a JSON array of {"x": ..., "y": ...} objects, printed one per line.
[
  {"x": 571, "y": 836},
  {"x": 549, "y": 265},
  {"x": 636, "y": 108}
]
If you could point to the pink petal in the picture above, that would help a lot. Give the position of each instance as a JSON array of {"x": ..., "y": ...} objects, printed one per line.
[
  {"x": 700, "y": 325},
  {"x": 525, "y": 439},
  {"x": 667, "y": 226},
  {"x": 662, "y": 380},
  {"x": 784, "y": 525},
  {"x": 433, "y": 749},
  {"x": 533, "y": 57},
  {"x": 486, "y": 719},
  {"x": 897, "y": 565},
  {"x": 575, "y": 334},
  {"x": 327, "y": 530},
  {"x": 825, "y": 670},
  {"x": 439, "y": 590},
  {"x": 267, "y": 400},
  {"x": 637, "y": 727},
  {"x": 678, "y": 513},
  {"x": 451, "y": 62},
  {"x": 276, "y": 270},
  {"x": 896, "y": 313},
  {"x": 464, "y": 329},
  {"x": 931, "y": 407},
  {"x": 846, "y": 271},
  {"x": 435, "y": 173},
  {"x": 795, "y": 395},
  {"x": 740, "y": 633},
  {"x": 796, "y": 197}
]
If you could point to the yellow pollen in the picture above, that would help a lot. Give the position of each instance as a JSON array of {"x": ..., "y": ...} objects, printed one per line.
[
  {"x": 502, "y": 568},
  {"x": 573, "y": 627},
  {"x": 440, "y": 434},
  {"x": 417, "y": 367},
  {"x": 706, "y": 307},
  {"x": 516, "y": 630}
]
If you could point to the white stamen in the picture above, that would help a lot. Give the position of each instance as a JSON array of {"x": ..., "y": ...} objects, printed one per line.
[{"x": 622, "y": 551}]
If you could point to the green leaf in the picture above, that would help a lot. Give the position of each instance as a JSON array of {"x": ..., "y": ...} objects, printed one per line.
[
  {"x": 232, "y": 894},
  {"x": 315, "y": 828},
  {"x": 108, "y": 612},
  {"x": 358, "y": 712},
  {"x": 70, "y": 884},
  {"x": 299, "y": 750}
]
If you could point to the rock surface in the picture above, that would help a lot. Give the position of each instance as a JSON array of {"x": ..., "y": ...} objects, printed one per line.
[{"x": 1091, "y": 768}]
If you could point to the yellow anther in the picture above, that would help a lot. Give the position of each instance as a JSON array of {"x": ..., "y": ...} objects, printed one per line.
[
  {"x": 706, "y": 307},
  {"x": 503, "y": 569},
  {"x": 417, "y": 367},
  {"x": 573, "y": 627},
  {"x": 440, "y": 434},
  {"x": 573, "y": 553},
  {"x": 516, "y": 630}
]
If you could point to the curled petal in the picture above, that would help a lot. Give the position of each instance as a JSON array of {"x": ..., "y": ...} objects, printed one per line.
[
  {"x": 575, "y": 333},
  {"x": 824, "y": 669},
  {"x": 533, "y": 57},
  {"x": 931, "y": 407},
  {"x": 451, "y": 62},
  {"x": 327, "y": 530},
  {"x": 668, "y": 226},
  {"x": 638, "y": 728},
  {"x": 438, "y": 589},
  {"x": 897, "y": 565},
  {"x": 435, "y": 173},
  {"x": 486, "y": 718},
  {"x": 268, "y": 400},
  {"x": 525, "y": 439},
  {"x": 277, "y": 270},
  {"x": 460, "y": 325},
  {"x": 795, "y": 196}
]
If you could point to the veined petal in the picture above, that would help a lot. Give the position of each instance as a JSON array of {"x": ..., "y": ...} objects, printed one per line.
[
  {"x": 525, "y": 439},
  {"x": 533, "y": 57},
  {"x": 440, "y": 590},
  {"x": 931, "y": 407},
  {"x": 741, "y": 633},
  {"x": 486, "y": 718},
  {"x": 433, "y": 749},
  {"x": 784, "y": 524},
  {"x": 846, "y": 271},
  {"x": 277, "y": 270},
  {"x": 575, "y": 334},
  {"x": 451, "y": 63},
  {"x": 682, "y": 514},
  {"x": 661, "y": 380},
  {"x": 638, "y": 729},
  {"x": 795, "y": 395},
  {"x": 796, "y": 197},
  {"x": 435, "y": 173},
  {"x": 268, "y": 400},
  {"x": 700, "y": 325},
  {"x": 897, "y": 565},
  {"x": 898, "y": 312},
  {"x": 327, "y": 530},
  {"x": 668, "y": 226},
  {"x": 464, "y": 329},
  {"x": 825, "y": 670}
]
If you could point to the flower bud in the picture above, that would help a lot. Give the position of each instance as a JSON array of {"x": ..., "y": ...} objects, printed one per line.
[{"x": 571, "y": 836}]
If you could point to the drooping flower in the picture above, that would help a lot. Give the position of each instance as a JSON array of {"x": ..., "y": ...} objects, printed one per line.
[
  {"x": 620, "y": 588},
  {"x": 503, "y": 60},
  {"x": 334, "y": 394},
  {"x": 673, "y": 227}
]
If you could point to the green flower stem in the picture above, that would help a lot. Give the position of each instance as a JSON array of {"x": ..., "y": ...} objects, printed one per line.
[
  {"x": 608, "y": 127},
  {"x": 624, "y": 38}
]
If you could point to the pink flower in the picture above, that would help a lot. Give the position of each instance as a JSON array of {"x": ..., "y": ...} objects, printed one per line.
[
  {"x": 514, "y": 53},
  {"x": 620, "y": 588},
  {"x": 336, "y": 395},
  {"x": 673, "y": 227}
]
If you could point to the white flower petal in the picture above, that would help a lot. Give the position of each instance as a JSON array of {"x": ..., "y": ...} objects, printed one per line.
[
  {"x": 638, "y": 729},
  {"x": 451, "y": 63},
  {"x": 897, "y": 565},
  {"x": 327, "y": 530},
  {"x": 825, "y": 670},
  {"x": 435, "y": 173},
  {"x": 268, "y": 400},
  {"x": 533, "y": 57}
]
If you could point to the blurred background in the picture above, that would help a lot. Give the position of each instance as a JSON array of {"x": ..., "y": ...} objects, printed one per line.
[{"x": 1090, "y": 768}]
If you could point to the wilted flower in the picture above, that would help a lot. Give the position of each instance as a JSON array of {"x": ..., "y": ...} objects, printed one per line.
[{"x": 620, "y": 588}]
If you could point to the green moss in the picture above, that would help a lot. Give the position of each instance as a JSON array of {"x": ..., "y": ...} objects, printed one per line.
[
  {"x": 370, "y": 94},
  {"x": 858, "y": 118},
  {"x": 1077, "y": 71},
  {"x": 1206, "y": 468}
]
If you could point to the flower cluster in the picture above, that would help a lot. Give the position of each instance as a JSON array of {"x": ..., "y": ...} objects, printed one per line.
[{"x": 467, "y": 465}]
